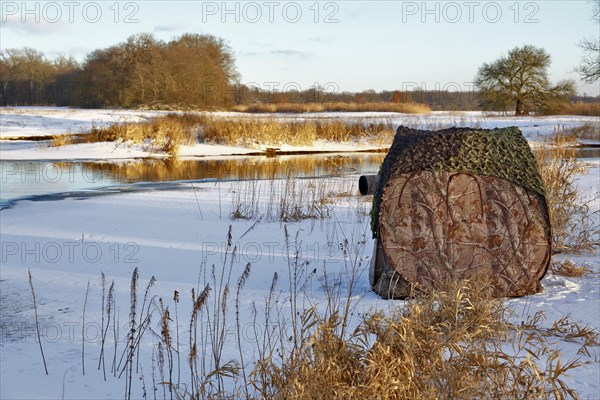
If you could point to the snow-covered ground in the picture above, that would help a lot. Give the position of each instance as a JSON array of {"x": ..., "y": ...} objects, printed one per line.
[
  {"x": 24, "y": 122},
  {"x": 176, "y": 233}
]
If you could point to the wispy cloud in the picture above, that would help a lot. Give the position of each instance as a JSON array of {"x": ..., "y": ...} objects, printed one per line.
[
  {"x": 174, "y": 27},
  {"x": 249, "y": 53},
  {"x": 318, "y": 39},
  {"x": 277, "y": 52},
  {"x": 30, "y": 26},
  {"x": 357, "y": 12},
  {"x": 290, "y": 53}
]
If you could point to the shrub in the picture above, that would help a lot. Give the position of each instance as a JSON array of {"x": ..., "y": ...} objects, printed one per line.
[
  {"x": 574, "y": 226},
  {"x": 578, "y": 108},
  {"x": 456, "y": 343}
]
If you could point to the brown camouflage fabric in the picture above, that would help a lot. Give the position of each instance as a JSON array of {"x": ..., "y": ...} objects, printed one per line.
[{"x": 436, "y": 226}]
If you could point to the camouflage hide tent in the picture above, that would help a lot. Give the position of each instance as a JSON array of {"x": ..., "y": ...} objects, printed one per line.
[{"x": 456, "y": 204}]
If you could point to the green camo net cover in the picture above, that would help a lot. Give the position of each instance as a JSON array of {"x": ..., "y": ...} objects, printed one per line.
[{"x": 501, "y": 153}]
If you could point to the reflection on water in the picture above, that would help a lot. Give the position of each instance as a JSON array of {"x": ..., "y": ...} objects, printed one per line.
[
  {"x": 581, "y": 153},
  {"x": 25, "y": 178},
  {"x": 240, "y": 167},
  {"x": 21, "y": 179},
  {"x": 587, "y": 152}
]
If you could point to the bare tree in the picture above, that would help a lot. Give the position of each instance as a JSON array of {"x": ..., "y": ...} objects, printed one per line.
[
  {"x": 520, "y": 79},
  {"x": 25, "y": 73},
  {"x": 589, "y": 67}
]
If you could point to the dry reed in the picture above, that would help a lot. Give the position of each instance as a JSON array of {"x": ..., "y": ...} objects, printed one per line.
[{"x": 406, "y": 108}]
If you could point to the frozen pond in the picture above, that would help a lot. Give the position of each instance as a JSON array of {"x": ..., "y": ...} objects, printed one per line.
[{"x": 30, "y": 178}]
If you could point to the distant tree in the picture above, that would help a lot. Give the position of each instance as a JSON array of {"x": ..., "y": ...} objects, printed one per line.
[
  {"x": 65, "y": 64},
  {"x": 24, "y": 74},
  {"x": 520, "y": 79},
  {"x": 400, "y": 97},
  {"x": 192, "y": 70},
  {"x": 104, "y": 78},
  {"x": 145, "y": 66},
  {"x": 202, "y": 70},
  {"x": 279, "y": 98},
  {"x": 589, "y": 67},
  {"x": 7, "y": 72},
  {"x": 63, "y": 91}
]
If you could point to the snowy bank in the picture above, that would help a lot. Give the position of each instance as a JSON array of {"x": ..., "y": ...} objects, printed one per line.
[{"x": 29, "y": 122}]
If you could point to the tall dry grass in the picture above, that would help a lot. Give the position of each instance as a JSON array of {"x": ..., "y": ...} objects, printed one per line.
[
  {"x": 574, "y": 226},
  {"x": 569, "y": 269},
  {"x": 167, "y": 133},
  {"x": 563, "y": 135},
  {"x": 293, "y": 199},
  {"x": 62, "y": 140},
  {"x": 578, "y": 108},
  {"x": 454, "y": 344},
  {"x": 160, "y": 134},
  {"x": 260, "y": 132},
  {"x": 406, "y": 108}
]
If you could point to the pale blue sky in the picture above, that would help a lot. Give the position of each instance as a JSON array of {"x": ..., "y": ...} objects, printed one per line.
[{"x": 365, "y": 45}]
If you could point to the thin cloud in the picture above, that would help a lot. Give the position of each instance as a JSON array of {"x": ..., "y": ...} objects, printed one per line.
[
  {"x": 175, "y": 27},
  {"x": 31, "y": 27},
  {"x": 249, "y": 53},
  {"x": 276, "y": 52},
  {"x": 319, "y": 39},
  {"x": 357, "y": 12},
  {"x": 290, "y": 53}
]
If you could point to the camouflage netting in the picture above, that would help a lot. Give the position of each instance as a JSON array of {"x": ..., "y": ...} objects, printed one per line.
[
  {"x": 457, "y": 204},
  {"x": 501, "y": 153}
]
